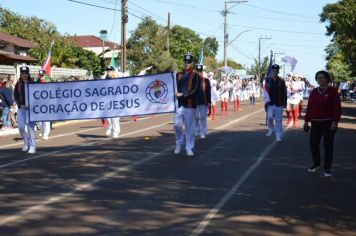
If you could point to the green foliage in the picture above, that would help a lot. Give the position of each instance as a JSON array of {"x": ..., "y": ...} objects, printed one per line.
[
  {"x": 211, "y": 47},
  {"x": 341, "y": 17},
  {"x": 258, "y": 70},
  {"x": 64, "y": 52},
  {"x": 182, "y": 41},
  {"x": 147, "y": 47},
  {"x": 336, "y": 64}
]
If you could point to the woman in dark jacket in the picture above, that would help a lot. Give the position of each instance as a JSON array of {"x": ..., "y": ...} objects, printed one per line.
[
  {"x": 324, "y": 112},
  {"x": 6, "y": 104}
]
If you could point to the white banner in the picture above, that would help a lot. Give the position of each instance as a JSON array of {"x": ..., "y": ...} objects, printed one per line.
[{"x": 92, "y": 99}]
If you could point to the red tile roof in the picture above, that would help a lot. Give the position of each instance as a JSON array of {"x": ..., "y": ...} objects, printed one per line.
[
  {"x": 89, "y": 41},
  {"x": 11, "y": 58},
  {"x": 16, "y": 41}
]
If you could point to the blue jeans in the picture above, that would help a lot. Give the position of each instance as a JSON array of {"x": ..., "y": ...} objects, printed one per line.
[{"x": 4, "y": 117}]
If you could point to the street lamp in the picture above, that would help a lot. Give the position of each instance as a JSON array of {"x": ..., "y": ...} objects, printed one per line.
[
  {"x": 228, "y": 43},
  {"x": 226, "y": 36}
]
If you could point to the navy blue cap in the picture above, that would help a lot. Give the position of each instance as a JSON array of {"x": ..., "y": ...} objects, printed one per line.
[
  {"x": 24, "y": 69},
  {"x": 275, "y": 66},
  {"x": 42, "y": 72},
  {"x": 188, "y": 58},
  {"x": 199, "y": 67},
  {"x": 109, "y": 68}
]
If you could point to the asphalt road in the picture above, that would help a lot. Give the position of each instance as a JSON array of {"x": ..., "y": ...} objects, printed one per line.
[{"x": 240, "y": 182}]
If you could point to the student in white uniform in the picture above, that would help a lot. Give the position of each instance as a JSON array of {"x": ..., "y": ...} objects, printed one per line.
[
  {"x": 203, "y": 102},
  {"x": 26, "y": 128},
  {"x": 224, "y": 88},
  {"x": 236, "y": 92},
  {"x": 113, "y": 123},
  {"x": 214, "y": 94},
  {"x": 45, "y": 125},
  {"x": 293, "y": 100},
  {"x": 187, "y": 91}
]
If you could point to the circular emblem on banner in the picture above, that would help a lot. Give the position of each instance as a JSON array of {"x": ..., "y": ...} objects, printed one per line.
[{"x": 156, "y": 92}]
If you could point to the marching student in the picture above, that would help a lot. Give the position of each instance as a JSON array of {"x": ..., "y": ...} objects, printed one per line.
[
  {"x": 187, "y": 91},
  {"x": 203, "y": 102},
  {"x": 224, "y": 88},
  {"x": 293, "y": 100},
  {"x": 26, "y": 128},
  {"x": 45, "y": 126},
  {"x": 278, "y": 100},
  {"x": 214, "y": 94},
  {"x": 236, "y": 92},
  {"x": 113, "y": 123}
]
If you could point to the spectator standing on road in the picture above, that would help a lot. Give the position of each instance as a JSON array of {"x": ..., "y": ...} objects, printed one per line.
[
  {"x": 46, "y": 125},
  {"x": 278, "y": 101},
  {"x": 344, "y": 87},
  {"x": 187, "y": 91},
  {"x": 6, "y": 104},
  {"x": 203, "y": 103},
  {"x": 26, "y": 128},
  {"x": 324, "y": 112}
]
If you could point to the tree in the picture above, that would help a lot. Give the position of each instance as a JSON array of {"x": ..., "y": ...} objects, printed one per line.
[
  {"x": 341, "y": 17},
  {"x": 64, "y": 52},
  {"x": 336, "y": 65},
  {"x": 147, "y": 47},
  {"x": 211, "y": 47},
  {"x": 256, "y": 69},
  {"x": 184, "y": 40}
]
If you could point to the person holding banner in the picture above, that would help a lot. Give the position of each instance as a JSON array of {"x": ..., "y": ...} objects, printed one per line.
[
  {"x": 45, "y": 126},
  {"x": 26, "y": 128},
  {"x": 113, "y": 123},
  {"x": 187, "y": 91},
  {"x": 203, "y": 103},
  {"x": 277, "y": 101}
]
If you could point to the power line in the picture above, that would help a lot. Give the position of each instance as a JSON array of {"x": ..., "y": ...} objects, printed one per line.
[
  {"x": 276, "y": 30},
  {"x": 273, "y": 18},
  {"x": 114, "y": 20},
  {"x": 107, "y": 8},
  {"x": 281, "y": 12}
]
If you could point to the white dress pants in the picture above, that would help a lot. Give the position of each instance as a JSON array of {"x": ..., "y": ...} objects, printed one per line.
[
  {"x": 113, "y": 124},
  {"x": 27, "y": 129},
  {"x": 202, "y": 123},
  {"x": 274, "y": 116},
  {"x": 185, "y": 117}
]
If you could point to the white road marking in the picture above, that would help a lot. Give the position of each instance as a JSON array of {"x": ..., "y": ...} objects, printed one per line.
[
  {"x": 205, "y": 222},
  {"x": 6, "y": 219}
]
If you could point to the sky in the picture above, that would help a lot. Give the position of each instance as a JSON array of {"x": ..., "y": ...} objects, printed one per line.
[{"x": 293, "y": 27}]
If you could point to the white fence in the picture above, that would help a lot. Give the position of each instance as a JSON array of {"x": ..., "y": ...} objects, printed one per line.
[{"x": 58, "y": 74}]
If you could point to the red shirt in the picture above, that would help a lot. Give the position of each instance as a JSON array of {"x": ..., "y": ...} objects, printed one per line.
[{"x": 323, "y": 105}]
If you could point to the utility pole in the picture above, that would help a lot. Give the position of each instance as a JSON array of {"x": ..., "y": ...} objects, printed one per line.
[
  {"x": 226, "y": 35},
  {"x": 259, "y": 54},
  {"x": 124, "y": 20},
  {"x": 168, "y": 30}
]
